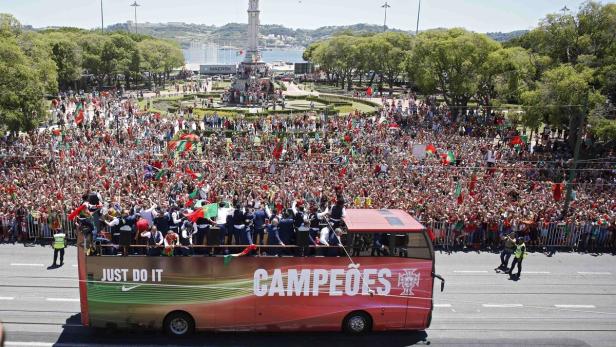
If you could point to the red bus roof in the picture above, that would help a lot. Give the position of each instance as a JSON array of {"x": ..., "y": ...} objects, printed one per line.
[{"x": 380, "y": 221}]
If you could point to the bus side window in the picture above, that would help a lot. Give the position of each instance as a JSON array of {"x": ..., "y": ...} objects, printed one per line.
[
  {"x": 370, "y": 245},
  {"x": 417, "y": 246}
]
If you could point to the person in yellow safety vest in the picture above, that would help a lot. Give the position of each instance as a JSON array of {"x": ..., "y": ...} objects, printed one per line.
[
  {"x": 59, "y": 243},
  {"x": 519, "y": 254}
]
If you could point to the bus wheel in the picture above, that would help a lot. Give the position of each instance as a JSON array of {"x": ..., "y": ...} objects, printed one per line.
[
  {"x": 179, "y": 323},
  {"x": 357, "y": 323}
]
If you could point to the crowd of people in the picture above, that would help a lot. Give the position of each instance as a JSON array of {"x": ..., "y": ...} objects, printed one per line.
[{"x": 472, "y": 169}]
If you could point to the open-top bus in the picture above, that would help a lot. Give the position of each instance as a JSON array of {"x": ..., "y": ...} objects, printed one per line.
[{"x": 387, "y": 284}]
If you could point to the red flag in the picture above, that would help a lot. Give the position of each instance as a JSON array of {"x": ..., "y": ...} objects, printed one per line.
[
  {"x": 430, "y": 148},
  {"x": 198, "y": 213},
  {"x": 472, "y": 184},
  {"x": 80, "y": 117},
  {"x": 460, "y": 199},
  {"x": 369, "y": 91},
  {"x": 277, "y": 153},
  {"x": 192, "y": 174},
  {"x": 76, "y": 212},
  {"x": 557, "y": 191},
  {"x": 342, "y": 172},
  {"x": 516, "y": 140}
]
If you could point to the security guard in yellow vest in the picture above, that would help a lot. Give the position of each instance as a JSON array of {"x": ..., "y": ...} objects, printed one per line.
[
  {"x": 59, "y": 243},
  {"x": 519, "y": 254}
]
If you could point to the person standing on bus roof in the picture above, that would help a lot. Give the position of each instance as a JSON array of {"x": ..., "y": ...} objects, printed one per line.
[
  {"x": 239, "y": 226},
  {"x": 273, "y": 237},
  {"x": 202, "y": 226},
  {"x": 286, "y": 227},
  {"x": 155, "y": 240},
  {"x": 186, "y": 238},
  {"x": 337, "y": 213},
  {"x": 260, "y": 217},
  {"x": 221, "y": 221},
  {"x": 59, "y": 243}
]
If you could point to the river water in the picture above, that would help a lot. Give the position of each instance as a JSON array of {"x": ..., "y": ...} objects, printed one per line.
[{"x": 212, "y": 55}]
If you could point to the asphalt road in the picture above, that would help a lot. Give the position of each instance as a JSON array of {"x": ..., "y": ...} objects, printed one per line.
[{"x": 566, "y": 300}]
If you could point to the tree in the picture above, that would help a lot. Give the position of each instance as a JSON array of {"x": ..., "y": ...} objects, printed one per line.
[
  {"x": 66, "y": 54},
  {"x": 449, "y": 62},
  {"x": 21, "y": 105},
  {"x": 27, "y": 72},
  {"x": 505, "y": 74},
  {"x": 391, "y": 51},
  {"x": 564, "y": 97}
]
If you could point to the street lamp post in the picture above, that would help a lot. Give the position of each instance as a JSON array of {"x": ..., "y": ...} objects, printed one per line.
[
  {"x": 385, "y": 6},
  {"x": 102, "y": 19},
  {"x": 418, "y": 13},
  {"x": 135, "y": 5}
]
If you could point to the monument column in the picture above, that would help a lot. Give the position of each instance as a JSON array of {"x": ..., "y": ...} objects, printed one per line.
[{"x": 252, "y": 54}]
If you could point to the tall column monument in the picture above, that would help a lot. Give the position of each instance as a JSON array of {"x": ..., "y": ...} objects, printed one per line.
[
  {"x": 253, "y": 55},
  {"x": 253, "y": 81}
]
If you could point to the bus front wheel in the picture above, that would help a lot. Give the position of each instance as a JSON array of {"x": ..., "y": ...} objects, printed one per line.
[
  {"x": 179, "y": 323},
  {"x": 357, "y": 323}
]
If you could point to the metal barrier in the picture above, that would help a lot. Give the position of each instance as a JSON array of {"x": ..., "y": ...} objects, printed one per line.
[
  {"x": 587, "y": 237},
  {"x": 578, "y": 237}
]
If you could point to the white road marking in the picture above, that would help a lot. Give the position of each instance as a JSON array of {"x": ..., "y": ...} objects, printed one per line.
[
  {"x": 74, "y": 265},
  {"x": 502, "y": 305},
  {"x": 32, "y": 344},
  {"x": 62, "y": 299},
  {"x": 575, "y": 306},
  {"x": 23, "y": 264},
  {"x": 6, "y": 298},
  {"x": 537, "y": 272},
  {"x": 442, "y": 305},
  {"x": 471, "y": 271},
  {"x": 594, "y": 273}
]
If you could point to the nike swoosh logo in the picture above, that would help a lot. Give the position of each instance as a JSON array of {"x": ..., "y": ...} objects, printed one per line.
[{"x": 128, "y": 289}]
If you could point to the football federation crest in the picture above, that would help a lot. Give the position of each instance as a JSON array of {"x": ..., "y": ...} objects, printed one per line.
[{"x": 408, "y": 280}]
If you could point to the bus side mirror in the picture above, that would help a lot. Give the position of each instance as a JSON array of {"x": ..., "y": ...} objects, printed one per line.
[{"x": 442, "y": 280}]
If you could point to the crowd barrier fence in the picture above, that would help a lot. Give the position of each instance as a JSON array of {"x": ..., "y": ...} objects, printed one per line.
[{"x": 35, "y": 227}]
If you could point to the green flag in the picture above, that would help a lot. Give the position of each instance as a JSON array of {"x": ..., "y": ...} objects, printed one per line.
[
  {"x": 210, "y": 211},
  {"x": 160, "y": 174},
  {"x": 194, "y": 194},
  {"x": 181, "y": 146},
  {"x": 458, "y": 190}
]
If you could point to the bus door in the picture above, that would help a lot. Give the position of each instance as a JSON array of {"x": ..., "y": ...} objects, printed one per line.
[{"x": 417, "y": 282}]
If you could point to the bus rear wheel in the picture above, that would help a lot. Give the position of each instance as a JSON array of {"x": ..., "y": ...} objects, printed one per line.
[
  {"x": 357, "y": 323},
  {"x": 179, "y": 324}
]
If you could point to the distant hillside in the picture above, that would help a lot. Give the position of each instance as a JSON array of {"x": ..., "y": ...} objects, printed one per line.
[
  {"x": 271, "y": 35},
  {"x": 504, "y": 37}
]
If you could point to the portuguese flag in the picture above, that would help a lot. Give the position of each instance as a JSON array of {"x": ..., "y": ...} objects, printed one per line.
[
  {"x": 431, "y": 149},
  {"x": 80, "y": 117},
  {"x": 208, "y": 211},
  {"x": 448, "y": 158},
  {"x": 179, "y": 146},
  {"x": 194, "y": 175},
  {"x": 246, "y": 251}
]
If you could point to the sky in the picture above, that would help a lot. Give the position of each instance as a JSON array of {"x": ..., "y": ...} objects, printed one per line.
[{"x": 475, "y": 15}]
